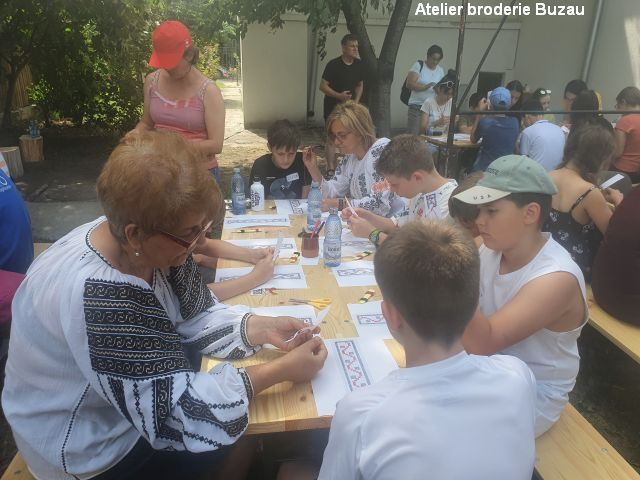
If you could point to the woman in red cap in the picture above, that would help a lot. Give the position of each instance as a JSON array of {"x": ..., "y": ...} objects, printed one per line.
[{"x": 178, "y": 97}]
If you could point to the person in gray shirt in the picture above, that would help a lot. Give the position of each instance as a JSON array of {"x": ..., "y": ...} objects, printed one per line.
[{"x": 541, "y": 140}]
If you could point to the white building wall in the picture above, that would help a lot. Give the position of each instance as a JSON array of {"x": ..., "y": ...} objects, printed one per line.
[
  {"x": 616, "y": 58},
  {"x": 274, "y": 74},
  {"x": 552, "y": 50},
  {"x": 539, "y": 51}
]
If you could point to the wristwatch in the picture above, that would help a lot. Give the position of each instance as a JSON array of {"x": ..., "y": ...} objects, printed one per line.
[{"x": 374, "y": 237}]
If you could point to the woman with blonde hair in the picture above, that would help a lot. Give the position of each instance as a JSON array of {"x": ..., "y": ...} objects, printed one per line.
[
  {"x": 351, "y": 128},
  {"x": 179, "y": 98},
  {"x": 99, "y": 383}
]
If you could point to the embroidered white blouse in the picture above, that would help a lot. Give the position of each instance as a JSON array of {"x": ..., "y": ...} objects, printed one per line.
[
  {"x": 358, "y": 179},
  {"x": 96, "y": 360},
  {"x": 431, "y": 205}
]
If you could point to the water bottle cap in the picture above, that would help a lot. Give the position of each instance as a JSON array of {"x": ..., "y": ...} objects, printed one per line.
[
  {"x": 256, "y": 179},
  {"x": 315, "y": 184},
  {"x": 333, "y": 211},
  {"x": 236, "y": 169}
]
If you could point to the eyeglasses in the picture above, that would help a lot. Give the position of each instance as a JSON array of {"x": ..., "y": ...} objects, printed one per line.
[
  {"x": 447, "y": 84},
  {"x": 544, "y": 92},
  {"x": 188, "y": 244},
  {"x": 339, "y": 136}
]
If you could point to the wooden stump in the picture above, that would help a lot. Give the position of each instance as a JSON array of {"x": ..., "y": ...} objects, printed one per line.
[
  {"x": 31, "y": 148},
  {"x": 14, "y": 162}
]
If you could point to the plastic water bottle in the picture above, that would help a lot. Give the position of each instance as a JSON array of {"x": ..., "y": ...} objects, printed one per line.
[
  {"x": 238, "y": 207},
  {"x": 314, "y": 205},
  {"x": 257, "y": 195},
  {"x": 332, "y": 249}
]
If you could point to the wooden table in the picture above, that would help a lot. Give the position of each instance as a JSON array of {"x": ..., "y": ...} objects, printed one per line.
[
  {"x": 286, "y": 406},
  {"x": 460, "y": 148}
]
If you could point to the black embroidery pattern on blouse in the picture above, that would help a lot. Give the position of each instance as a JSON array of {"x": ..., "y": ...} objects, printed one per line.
[
  {"x": 129, "y": 333},
  {"x": 210, "y": 338},
  {"x": 196, "y": 409},
  {"x": 136, "y": 396},
  {"x": 117, "y": 390},
  {"x": 194, "y": 296},
  {"x": 162, "y": 403},
  {"x": 71, "y": 421}
]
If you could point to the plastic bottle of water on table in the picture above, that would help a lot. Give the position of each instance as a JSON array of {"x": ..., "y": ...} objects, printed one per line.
[
  {"x": 238, "y": 206},
  {"x": 257, "y": 195},
  {"x": 314, "y": 205},
  {"x": 332, "y": 249}
]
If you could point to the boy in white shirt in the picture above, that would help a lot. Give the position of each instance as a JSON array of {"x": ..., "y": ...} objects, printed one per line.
[
  {"x": 408, "y": 168},
  {"x": 532, "y": 294},
  {"x": 447, "y": 415}
]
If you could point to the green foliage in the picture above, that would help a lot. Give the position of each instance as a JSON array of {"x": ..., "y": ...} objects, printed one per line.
[
  {"x": 209, "y": 61},
  {"x": 89, "y": 58}
]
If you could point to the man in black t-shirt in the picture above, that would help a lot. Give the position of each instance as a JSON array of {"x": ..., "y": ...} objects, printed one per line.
[
  {"x": 282, "y": 172},
  {"x": 342, "y": 80}
]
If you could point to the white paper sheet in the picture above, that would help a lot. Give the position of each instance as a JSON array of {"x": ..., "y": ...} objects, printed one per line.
[
  {"x": 368, "y": 319},
  {"x": 284, "y": 276},
  {"x": 288, "y": 243},
  {"x": 291, "y": 207},
  {"x": 354, "y": 274},
  {"x": 243, "y": 221},
  {"x": 352, "y": 363},
  {"x": 306, "y": 313},
  {"x": 352, "y": 245}
]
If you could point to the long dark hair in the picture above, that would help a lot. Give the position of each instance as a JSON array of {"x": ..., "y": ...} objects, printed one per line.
[{"x": 590, "y": 148}]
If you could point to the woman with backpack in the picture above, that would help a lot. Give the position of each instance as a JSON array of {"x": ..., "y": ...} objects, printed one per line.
[{"x": 418, "y": 86}]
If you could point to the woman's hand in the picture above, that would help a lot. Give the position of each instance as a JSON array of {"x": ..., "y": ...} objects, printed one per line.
[
  {"x": 277, "y": 330},
  {"x": 443, "y": 121},
  {"x": 263, "y": 270},
  {"x": 310, "y": 161},
  {"x": 360, "y": 227},
  {"x": 303, "y": 362},
  {"x": 257, "y": 254},
  {"x": 614, "y": 196}
]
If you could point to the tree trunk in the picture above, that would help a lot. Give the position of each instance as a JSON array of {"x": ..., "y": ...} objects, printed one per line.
[
  {"x": 379, "y": 70},
  {"x": 12, "y": 79}
]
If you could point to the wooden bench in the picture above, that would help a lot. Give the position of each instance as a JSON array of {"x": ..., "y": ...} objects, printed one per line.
[
  {"x": 17, "y": 470},
  {"x": 573, "y": 449},
  {"x": 624, "y": 335}
]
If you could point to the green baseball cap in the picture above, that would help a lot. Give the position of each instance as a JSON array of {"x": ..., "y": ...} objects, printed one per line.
[{"x": 507, "y": 175}]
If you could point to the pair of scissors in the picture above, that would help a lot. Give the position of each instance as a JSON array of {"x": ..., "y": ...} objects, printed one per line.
[{"x": 320, "y": 303}]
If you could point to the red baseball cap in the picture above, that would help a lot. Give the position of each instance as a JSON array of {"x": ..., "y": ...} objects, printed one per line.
[{"x": 170, "y": 40}]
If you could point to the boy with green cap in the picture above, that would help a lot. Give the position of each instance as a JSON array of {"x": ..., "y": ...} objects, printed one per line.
[{"x": 532, "y": 295}]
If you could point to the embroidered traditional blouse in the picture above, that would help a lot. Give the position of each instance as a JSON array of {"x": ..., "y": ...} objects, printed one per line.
[
  {"x": 358, "y": 179},
  {"x": 96, "y": 360},
  {"x": 431, "y": 205}
]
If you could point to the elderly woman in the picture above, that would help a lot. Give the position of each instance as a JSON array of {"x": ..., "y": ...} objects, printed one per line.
[
  {"x": 179, "y": 98},
  {"x": 351, "y": 129},
  {"x": 98, "y": 382}
]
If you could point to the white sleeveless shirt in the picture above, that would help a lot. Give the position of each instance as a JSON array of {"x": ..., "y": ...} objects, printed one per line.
[{"x": 552, "y": 356}]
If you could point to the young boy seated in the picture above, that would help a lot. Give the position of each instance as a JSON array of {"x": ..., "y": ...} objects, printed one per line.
[
  {"x": 497, "y": 132},
  {"x": 407, "y": 166},
  {"x": 282, "y": 172},
  {"x": 532, "y": 294},
  {"x": 447, "y": 415}
]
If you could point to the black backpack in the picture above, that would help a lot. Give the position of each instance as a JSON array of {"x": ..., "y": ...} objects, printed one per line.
[{"x": 405, "y": 93}]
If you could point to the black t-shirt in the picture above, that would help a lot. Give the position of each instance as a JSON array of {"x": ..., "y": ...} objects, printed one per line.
[
  {"x": 341, "y": 77},
  {"x": 278, "y": 183}
]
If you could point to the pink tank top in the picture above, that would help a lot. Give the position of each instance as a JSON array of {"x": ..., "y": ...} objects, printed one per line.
[{"x": 185, "y": 117}]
